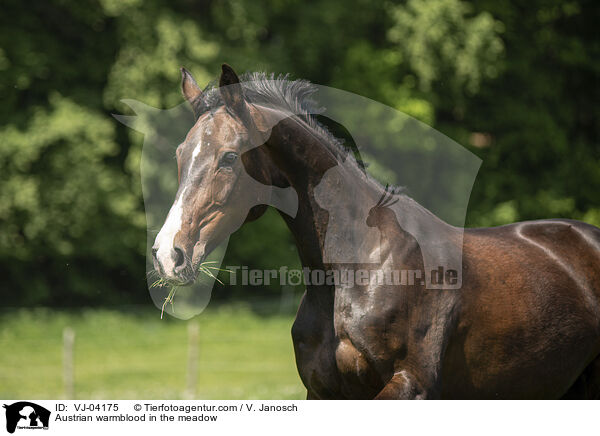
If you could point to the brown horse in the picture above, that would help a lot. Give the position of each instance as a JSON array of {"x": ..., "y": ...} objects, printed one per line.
[{"x": 525, "y": 324}]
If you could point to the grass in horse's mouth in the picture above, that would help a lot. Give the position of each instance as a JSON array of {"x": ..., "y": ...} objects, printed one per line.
[{"x": 206, "y": 268}]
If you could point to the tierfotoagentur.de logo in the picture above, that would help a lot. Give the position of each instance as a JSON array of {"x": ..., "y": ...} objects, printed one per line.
[{"x": 24, "y": 415}]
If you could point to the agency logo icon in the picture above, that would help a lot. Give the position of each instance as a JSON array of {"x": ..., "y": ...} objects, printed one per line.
[{"x": 26, "y": 415}]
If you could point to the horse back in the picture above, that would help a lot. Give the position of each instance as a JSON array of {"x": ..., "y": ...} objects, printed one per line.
[
  {"x": 529, "y": 317},
  {"x": 568, "y": 248}
]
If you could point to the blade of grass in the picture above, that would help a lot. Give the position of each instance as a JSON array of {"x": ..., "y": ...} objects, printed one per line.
[{"x": 204, "y": 267}]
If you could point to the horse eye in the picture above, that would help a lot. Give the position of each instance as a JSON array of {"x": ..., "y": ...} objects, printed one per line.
[{"x": 228, "y": 158}]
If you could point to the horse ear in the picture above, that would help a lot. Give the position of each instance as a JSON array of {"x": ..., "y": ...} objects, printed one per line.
[
  {"x": 231, "y": 89},
  {"x": 233, "y": 97},
  {"x": 191, "y": 91}
]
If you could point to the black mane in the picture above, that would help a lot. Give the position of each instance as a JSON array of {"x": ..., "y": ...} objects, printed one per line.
[{"x": 291, "y": 96}]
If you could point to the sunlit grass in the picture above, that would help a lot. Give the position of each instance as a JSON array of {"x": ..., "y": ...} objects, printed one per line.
[{"x": 132, "y": 354}]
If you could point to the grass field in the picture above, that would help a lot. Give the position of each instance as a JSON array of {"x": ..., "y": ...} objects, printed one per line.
[{"x": 133, "y": 354}]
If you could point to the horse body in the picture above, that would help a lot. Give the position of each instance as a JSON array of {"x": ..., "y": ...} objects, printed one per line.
[
  {"x": 529, "y": 314},
  {"x": 528, "y": 333},
  {"x": 524, "y": 324}
]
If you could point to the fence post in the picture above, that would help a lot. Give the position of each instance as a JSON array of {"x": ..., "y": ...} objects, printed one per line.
[
  {"x": 192, "y": 363},
  {"x": 68, "y": 363}
]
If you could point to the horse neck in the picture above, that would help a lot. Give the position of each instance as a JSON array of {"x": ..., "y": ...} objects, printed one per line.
[
  {"x": 302, "y": 157},
  {"x": 307, "y": 161}
]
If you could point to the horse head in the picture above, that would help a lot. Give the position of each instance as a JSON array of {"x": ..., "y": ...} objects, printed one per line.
[{"x": 225, "y": 177}]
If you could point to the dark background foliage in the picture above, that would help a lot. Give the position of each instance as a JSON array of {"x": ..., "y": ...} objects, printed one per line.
[{"x": 515, "y": 82}]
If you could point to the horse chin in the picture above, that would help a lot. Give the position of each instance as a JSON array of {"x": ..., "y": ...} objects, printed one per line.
[
  {"x": 188, "y": 282},
  {"x": 202, "y": 249},
  {"x": 185, "y": 279}
]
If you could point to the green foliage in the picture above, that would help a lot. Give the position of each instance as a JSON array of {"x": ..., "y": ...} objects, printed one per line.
[
  {"x": 522, "y": 77},
  {"x": 541, "y": 115},
  {"x": 441, "y": 40}
]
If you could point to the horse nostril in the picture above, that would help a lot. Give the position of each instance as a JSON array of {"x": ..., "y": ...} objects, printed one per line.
[
  {"x": 154, "y": 251},
  {"x": 179, "y": 258}
]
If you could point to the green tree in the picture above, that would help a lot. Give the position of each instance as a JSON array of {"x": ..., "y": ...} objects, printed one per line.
[{"x": 515, "y": 82}]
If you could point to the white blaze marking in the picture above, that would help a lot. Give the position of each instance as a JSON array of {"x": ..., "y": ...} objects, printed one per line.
[
  {"x": 166, "y": 236},
  {"x": 165, "y": 240},
  {"x": 195, "y": 154}
]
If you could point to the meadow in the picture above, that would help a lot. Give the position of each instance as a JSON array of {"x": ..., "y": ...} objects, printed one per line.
[{"x": 131, "y": 353}]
